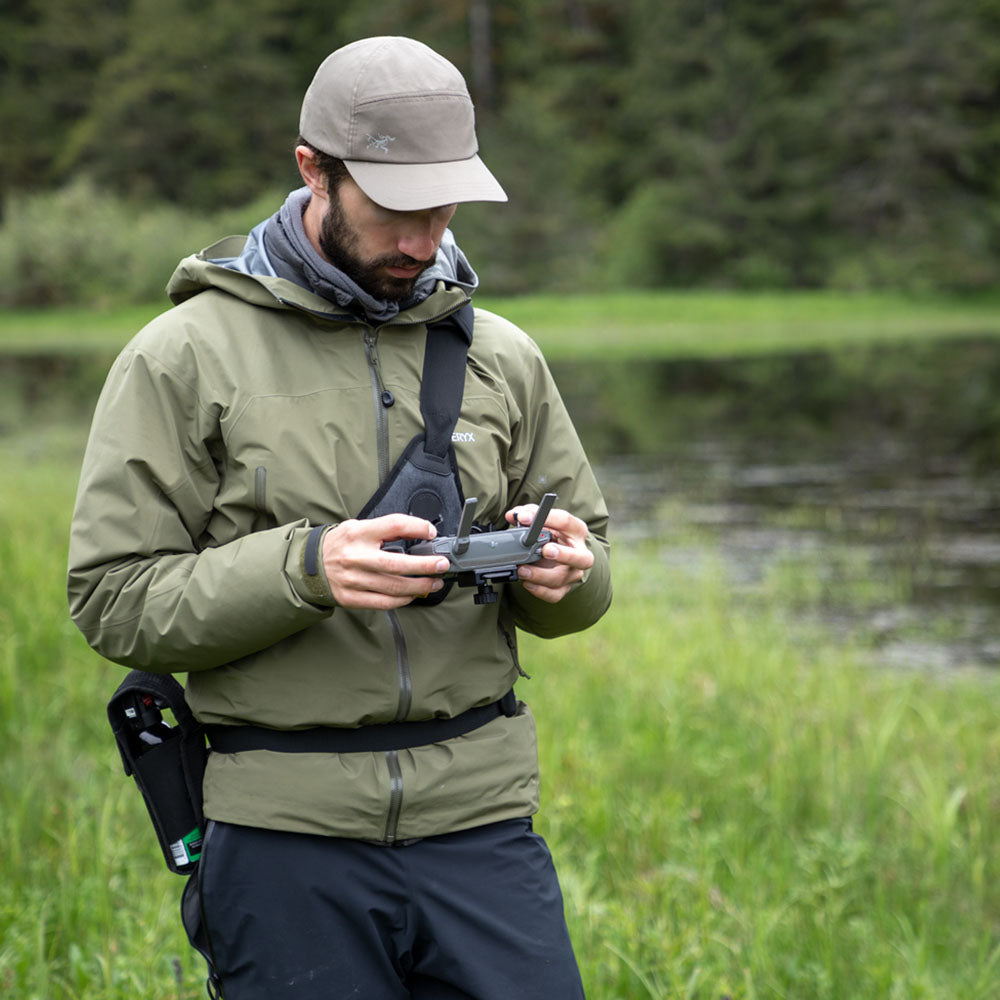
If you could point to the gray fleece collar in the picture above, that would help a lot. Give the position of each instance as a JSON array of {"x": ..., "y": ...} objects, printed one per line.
[{"x": 279, "y": 247}]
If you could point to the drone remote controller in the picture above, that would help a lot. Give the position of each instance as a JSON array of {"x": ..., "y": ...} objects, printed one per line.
[{"x": 482, "y": 558}]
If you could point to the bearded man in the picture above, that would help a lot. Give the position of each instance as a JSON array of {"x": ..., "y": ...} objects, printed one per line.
[{"x": 372, "y": 776}]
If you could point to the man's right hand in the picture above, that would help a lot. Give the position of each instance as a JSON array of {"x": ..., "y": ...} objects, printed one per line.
[{"x": 363, "y": 575}]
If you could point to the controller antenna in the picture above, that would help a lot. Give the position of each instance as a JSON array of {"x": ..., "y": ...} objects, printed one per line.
[
  {"x": 539, "y": 520},
  {"x": 461, "y": 544}
]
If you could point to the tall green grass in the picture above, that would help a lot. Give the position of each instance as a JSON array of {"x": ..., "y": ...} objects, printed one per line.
[
  {"x": 738, "y": 808},
  {"x": 84, "y": 910},
  {"x": 742, "y": 809}
]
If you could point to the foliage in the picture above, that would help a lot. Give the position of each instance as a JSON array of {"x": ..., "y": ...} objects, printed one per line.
[
  {"x": 851, "y": 143},
  {"x": 159, "y": 135},
  {"x": 51, "y": 52},
  {"x": 80, "y": 244}
]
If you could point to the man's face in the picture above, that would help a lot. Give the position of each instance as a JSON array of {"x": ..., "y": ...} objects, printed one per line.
[{"x": 382, "y": 250}]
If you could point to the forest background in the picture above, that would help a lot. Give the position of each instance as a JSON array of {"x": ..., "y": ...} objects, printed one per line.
[
  {"x": 841, "y": 144},
  {"x": 741, "y": 806}
]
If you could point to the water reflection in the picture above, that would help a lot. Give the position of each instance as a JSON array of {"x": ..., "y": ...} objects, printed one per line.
[{"x": 894, "y": 524}]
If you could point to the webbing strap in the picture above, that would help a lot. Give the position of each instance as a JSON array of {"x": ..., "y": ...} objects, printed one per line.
[
  {"x": 375, "y": 738},
  {"x": 443, "y": 379},
  {"x": 424, "y": 481}
]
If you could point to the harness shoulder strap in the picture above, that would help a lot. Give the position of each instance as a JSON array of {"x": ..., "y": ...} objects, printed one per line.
[
  {"x": 443, "y": 380},
  {"x": 425, "y": 481}
]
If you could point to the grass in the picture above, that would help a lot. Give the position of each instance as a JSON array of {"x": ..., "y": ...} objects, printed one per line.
[
  {"x": 72, "y": 330},
  {"x": 742, "y": 810},
  {"x": 665, "y": 324},
  {"x": 737, "y": 807},
  {"x": 696, "y": 324}
]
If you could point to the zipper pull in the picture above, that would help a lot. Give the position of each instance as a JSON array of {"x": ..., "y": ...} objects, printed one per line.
[{"x": 386, "y": 396}]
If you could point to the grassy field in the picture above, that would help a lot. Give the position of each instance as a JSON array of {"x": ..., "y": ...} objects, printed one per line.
[
  {"x": 737, "y": 807},
  {"x": 644, "y": 324}
]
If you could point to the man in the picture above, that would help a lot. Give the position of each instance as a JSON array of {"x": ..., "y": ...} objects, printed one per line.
[{"x": 217, "y": 533}]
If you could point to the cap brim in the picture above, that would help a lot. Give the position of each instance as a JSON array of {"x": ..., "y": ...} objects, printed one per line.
[{"x": 408, "y": 187}]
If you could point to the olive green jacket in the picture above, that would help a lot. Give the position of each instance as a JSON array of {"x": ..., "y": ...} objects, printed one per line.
[{"x": 229, "y": 426}]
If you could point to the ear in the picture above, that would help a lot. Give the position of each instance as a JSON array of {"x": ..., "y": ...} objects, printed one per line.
[{"x": 311, "y": 174}]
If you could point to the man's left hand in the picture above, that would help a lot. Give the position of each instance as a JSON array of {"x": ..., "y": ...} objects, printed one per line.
[{"x": 564, "y": 560}]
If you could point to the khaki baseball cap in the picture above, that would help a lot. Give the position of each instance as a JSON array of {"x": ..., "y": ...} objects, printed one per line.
[{"x": 400, "y": 117}]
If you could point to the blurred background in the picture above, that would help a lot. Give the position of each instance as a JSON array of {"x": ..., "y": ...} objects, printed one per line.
[
  {"x": 785, "y": 216},
  {"x": 844, "y": 144},
  {"x": 758, "y": 242}
]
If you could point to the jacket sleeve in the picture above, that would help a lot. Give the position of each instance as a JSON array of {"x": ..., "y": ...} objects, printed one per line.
[
  {"x": 149, "y": 585},
  {"x": 547, "y": 456}
]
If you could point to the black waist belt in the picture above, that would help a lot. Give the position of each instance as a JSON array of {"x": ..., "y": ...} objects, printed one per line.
[{"x": 330, "y": 739}]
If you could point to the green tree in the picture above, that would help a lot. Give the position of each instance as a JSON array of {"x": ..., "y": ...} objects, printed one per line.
[
  {"x": 551, "y": 141},
  {"x": 50, "y": 54},
  {"x": 916, "y": 168},
  {"x": 196, "y": 106},
  {"x": 722, "y": 155},
  {"x": 794, "y": 142}
]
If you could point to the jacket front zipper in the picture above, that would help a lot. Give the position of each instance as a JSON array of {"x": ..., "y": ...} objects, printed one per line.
[
  {"x": 395, "y": 795},
  {"x": 383, "y": 399},
  {"x": 405, "y": 682},
  {"x": 405, "y": 700}
]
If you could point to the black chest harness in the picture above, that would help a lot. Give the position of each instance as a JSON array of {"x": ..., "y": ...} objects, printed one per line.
[
  {"x": 168, "y": 763},
  {"x": 425, "y": 482}
]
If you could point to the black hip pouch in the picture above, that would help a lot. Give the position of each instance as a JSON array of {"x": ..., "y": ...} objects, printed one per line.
[{"x": 167, "y": 761}]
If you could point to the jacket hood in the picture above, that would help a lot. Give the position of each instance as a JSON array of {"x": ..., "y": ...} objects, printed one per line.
[{"x": 242, "y": 266}]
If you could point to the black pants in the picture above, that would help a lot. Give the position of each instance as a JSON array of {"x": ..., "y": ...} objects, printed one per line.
[{"x": 475, "y": 915}]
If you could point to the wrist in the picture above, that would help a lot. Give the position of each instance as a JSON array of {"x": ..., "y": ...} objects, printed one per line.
[{"x": 305, "y": 566}]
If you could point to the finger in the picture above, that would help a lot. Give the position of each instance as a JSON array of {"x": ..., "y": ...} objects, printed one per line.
[
  {"x": 522, "y": 515},
  {"x": 373, "y": 601},
  {"x": 578, "y": 556},
  {"x": 390, "y": 572},
  {"x": 560, "y": 522},
  {"x": 551, "y": 595},
  {"x": 380, "y": 591},
  {"x": 567, "y": 525},
  {"x": 359, "y": 544},
  {"x": 405, "y": 565},
  {"x": 555, "y": 576},
  {"x": 391, "y": 526}
]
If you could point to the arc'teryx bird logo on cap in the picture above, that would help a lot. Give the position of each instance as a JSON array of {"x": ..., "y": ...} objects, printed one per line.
[{"x": 380, "y": 142}]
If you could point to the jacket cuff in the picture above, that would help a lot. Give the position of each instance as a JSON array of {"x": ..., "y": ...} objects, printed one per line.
[{"x": 304, "y": 566}]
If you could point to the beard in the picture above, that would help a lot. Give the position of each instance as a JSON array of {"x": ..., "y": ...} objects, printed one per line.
[{"x": 340, "y": 243}]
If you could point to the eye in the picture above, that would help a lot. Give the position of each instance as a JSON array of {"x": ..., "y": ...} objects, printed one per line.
[
  {"x": 443, "y": 213},
  {"x": 386, "y": 216}
]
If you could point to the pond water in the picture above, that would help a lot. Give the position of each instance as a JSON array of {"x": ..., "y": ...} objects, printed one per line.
[
  {"x": 873, "y": 477},
  {"x": 872, "y": 474}
]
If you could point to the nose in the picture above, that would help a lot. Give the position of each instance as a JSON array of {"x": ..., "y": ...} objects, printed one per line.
[
  {"x": 421, "y": 232},
  {"x": 419, "y": 236},
  {"x": 419, "y": 246}
]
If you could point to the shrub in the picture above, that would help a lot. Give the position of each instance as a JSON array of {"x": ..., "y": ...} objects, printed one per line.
[{"x": 82, "y": 245}]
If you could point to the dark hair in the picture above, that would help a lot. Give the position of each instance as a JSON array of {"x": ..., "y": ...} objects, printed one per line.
[{"x": 332, "y": 169}]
